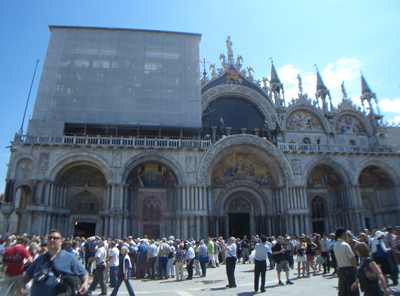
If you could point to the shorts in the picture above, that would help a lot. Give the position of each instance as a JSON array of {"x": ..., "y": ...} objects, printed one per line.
[
  {"x": 283, "y": 265},
  {"x": 310, "y": 257}
]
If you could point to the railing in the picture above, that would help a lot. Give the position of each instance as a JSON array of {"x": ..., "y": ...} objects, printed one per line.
[
  {"x": 315, "y": 148},
  {"x": 138, "y": 143}
]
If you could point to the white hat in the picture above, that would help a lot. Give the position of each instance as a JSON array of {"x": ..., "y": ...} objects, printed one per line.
[{"x": 378, "y": 234}]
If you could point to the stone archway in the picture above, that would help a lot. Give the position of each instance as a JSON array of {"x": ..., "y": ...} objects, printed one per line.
[
  {"x": 239, "y": 211},
  {"x": 378, "y": 196}
]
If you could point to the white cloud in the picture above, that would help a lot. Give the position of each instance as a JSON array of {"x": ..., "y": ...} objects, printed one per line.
[
  {"x": 345, "y": 69},
  {"x": 390, "y": 106}
]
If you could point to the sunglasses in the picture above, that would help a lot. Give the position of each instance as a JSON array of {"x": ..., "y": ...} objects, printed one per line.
[{"x": 55, "y": 238}]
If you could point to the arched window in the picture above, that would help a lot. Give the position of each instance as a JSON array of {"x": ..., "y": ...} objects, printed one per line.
[
  {"x": 306, "y": 141},
  {"x": 85, "y": 203},
  {"x": 151, "y": 209},
  {"x": 318, "y": 208},
  {"x": 352, "y": 143}
]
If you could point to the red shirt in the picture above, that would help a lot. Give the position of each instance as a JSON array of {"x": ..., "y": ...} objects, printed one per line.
[{"x": 15, "y": 254}]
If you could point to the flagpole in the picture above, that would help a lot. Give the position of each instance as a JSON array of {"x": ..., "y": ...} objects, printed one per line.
[{"x": 27, "y": 101}]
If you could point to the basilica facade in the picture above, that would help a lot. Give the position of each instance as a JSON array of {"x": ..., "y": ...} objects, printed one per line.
[{"x": 245, "y": 161}]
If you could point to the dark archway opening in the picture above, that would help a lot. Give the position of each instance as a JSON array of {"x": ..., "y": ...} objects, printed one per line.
[
  {"x": 85, "y": 229},
  {"x": 151, "y": 230},
  {"x": 239, "y": 225}
]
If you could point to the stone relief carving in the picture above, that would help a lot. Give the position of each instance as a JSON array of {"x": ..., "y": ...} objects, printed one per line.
[
  {"x": 303, "y": 121},
  {"x": 117, "y": 158},
  {"x": 44, "y": 161},
  {"x": 296, "y": 167},
  {"x": 190, "y": 164},
  {"x": 230, "y": 141},
  {"x": 24, "y": 169}
]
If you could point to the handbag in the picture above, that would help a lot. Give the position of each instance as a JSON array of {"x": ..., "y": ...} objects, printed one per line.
[
  {"x": 204, "y": 259},
  {"x": 300, "y": 252},
  {"x": 371, "y": 275}
]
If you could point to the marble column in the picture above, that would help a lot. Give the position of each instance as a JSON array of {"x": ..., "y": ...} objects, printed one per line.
[
  {"x": 228, "y": 130},
  {"x": 197, "y": 234},
  {"x": 191, "y": 227},
  {"x": 183, "y": 198},
  {"x": 214, "y": 134},
  {"x": 125, "y": 227},
  {"x": 184, "y": 228}
]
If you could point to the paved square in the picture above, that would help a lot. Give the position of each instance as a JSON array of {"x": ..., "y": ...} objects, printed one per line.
[{"x": 215, "y": 281}]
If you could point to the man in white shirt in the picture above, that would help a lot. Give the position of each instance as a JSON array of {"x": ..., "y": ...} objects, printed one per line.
[
  {"x": 113, "y": 261},
  {"x": 325, "y": 244},
  {"x": 100, "y": 259},
  {"x": 260, "y": 263},
  {"x": 230, "y": 259},
  {"x": 346, "y": 263}
]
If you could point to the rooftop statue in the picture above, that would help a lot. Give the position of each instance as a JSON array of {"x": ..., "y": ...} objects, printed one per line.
[
  {"x": 230, "y": 52},
  {"x": 343, "y": 91}
]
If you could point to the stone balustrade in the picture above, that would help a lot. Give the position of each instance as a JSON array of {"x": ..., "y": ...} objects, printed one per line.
[{"x": 112, "y": 142}]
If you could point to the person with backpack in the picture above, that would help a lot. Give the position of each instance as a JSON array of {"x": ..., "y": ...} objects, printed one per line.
[
  {"x": 311, "y": 251},
  {"x": 279, "y": 253}
]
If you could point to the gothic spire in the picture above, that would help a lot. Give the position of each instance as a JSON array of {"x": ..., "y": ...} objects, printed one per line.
[
  {"x": 274, "y": 75},
  {"x": 320, "y": 83},
  {"x": 364, "y": 86}
]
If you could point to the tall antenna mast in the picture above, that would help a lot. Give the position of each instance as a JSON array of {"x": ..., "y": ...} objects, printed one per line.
[{"x": 27, "y": 101}]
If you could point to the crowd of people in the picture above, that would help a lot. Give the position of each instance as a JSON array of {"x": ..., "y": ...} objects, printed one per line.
[{"x": 44, "y": 264}]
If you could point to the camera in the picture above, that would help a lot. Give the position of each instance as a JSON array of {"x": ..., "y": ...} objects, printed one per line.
[{"x": 42, "y": 275}]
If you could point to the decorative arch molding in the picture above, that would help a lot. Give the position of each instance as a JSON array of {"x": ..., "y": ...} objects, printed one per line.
[
  {"x": 378, "y": 163},
  {"x": 20, "y": 186},
  {"x": 329, "y": 162},
  {"x": 362, "y": 119},
  {"x": 246, "y": 189},
  {"x": 221, "y": 148},
  {"x": 17, "y": 161},
  {"x": 78, "y": 158},
  {"x": 311, "y": 109},
  {"x": 266, "y": 107},
  {"x": 144, "y": 157}
]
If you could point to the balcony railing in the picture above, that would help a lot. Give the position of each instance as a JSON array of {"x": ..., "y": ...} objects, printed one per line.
[
  {"x": 121, "y": 142},
  {"x": 315, "y": 148}
]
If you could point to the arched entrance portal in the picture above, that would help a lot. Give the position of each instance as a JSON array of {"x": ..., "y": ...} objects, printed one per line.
[
  {"x": 239, "y": 210},
  {"x": 318, "y": 214},
  {"x": 151, "y": 216}
]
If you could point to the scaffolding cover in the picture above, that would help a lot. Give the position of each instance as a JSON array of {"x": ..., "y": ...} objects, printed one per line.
[{"x": 118, "y": 76}]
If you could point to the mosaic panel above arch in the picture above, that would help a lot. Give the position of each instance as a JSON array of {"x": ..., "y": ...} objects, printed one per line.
[
  {"x": 241, "y": 166},
  {"x": 323, "y": 176},
  {"x": 152, "y": 174},
  {"x": 373, "y": 176},
  {"x": 350, "y": 125},
  {"x": 303, "y": 121},
  {"x": 82, "y": 175}
]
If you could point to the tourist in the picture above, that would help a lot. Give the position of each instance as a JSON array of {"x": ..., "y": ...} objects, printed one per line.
[
  {"x": 113, "y": 261},
  {"x": 164, "y": 251},
  {"x": 61, "y": 262},
  {"x": 230, "y": 259},
  {"x": 325, "y": 243},
  {"x": 278, "y": 251},
  {"x": 202, "y": 257},
  {"x": 245, "y": 248},
  {"x": 368, "y": 267},
  {"x": 346, "y": 263},
  {"x": 124, "y": 269},
  {"x": 152, "y": 255},
  {"x": 189, "y": 257},
  {"x": 98, "y": 277},
  {"x": 260, "y": 263},
  {"x": 301, "y": 258},
  {"x": 179, "y": 262}
]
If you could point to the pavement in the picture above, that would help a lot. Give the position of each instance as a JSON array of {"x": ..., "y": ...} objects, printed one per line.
[{"x": 215, "y": 284}]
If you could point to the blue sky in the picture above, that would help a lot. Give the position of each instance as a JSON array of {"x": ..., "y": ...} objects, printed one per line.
[{"x": 341, "y": 37}]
